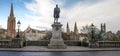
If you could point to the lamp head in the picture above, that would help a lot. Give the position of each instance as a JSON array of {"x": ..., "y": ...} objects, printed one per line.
[{"x": 18, "y": 23}]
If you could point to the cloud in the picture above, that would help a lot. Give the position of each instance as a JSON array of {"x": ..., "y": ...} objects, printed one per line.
[
  {"x": 105, "y": 11},
  {"x": 3, "y": 24},
  {"x": 100, "y": 11},
  {"x": 42, "y": 13}
]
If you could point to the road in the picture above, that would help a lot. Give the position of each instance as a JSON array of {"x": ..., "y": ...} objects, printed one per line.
[{"x": 92, "y": 53}]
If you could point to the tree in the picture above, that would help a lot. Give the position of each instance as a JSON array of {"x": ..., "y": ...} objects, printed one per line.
[{"x": 87, "y": 30}]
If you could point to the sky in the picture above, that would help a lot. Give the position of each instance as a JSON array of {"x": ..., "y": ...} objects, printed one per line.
[{"x": 38, "y": 14}]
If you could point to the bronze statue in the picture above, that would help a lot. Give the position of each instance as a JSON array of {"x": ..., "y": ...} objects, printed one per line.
[{"x": 56, "y": 13}]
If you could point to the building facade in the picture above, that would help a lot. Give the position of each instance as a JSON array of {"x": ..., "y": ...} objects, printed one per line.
[
  {"x": 3, "y": 33},
  {"x": 10, "y": 40},
  {"x": 72, "y": 35},
  {"x": 83, "y": 36},
  {"x": 11, "y": 24},
  {"x": 33, "y": 34},
  {"x": 67, "y": 29},
  {"x": 103, "y": 28}
]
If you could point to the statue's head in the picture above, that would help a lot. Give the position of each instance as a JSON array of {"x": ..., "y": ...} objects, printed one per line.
[{"x": 56, "y": 5}]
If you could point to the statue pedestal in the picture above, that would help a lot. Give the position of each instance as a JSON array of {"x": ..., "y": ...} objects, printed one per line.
[{"x": 56, "y": 42}]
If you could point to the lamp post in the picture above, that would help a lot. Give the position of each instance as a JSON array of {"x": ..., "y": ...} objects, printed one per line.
[
  {"x": 92, "y": 32},
  {"x": 92, "y": 37},
  {"x": 18, "y": 23}
]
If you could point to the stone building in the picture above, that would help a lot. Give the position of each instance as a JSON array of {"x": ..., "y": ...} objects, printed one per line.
[
  {"x": 3, "y": 33},
  {"x": 82, "y": 36},
  {"x": 103, "y": 28},
  {"x": 73, "y": 35},
  {"x": 10, "y": 40},
  {"x": 34, "y": 34},
  {"x": 75, "y": 29},
  {"x": 109, "y": 35},
  {"x": 118, "y": 33},
  {"x": 67, "y": 29},
  {"x": 11, "y": 24}
]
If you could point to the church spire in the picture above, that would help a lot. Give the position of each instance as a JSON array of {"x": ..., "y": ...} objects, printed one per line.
[
  {"x": 11, "y": 11},
  {"x": 67, "y": 29},
  {"x": 75, "y": 29},
  {"x": 11, "y": 24}
]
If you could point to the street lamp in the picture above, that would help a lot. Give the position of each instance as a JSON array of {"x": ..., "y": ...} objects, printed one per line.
[
  {"x": 92, "y": 38},
  {"x": 92, "y": 31},
  {"x": 18, "y": 23}
]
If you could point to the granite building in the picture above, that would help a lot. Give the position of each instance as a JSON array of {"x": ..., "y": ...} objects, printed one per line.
[
  {"x": 34, "y": 34},
  {"x": 103, "y": 28},
  {"x": 3, "y": 33},
  {"x": 73, "y": 35},
  {"x": 11, "y": 23}
]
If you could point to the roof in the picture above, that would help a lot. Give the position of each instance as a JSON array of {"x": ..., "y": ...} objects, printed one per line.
[
  {"x": 34, "y": 30},
  {"x": 105, "y": 35}
]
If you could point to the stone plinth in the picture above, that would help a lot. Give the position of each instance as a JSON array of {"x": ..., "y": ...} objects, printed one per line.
[{"x": 56, "y": 42}]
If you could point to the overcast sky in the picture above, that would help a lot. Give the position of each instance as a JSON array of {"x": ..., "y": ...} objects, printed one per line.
[{"x": 39, "y": 13}]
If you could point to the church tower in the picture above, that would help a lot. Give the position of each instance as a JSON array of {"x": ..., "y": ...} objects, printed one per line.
[
  {"x": 11, "y": 24},
  {"x": 67, "y": 29},
  {"x": 75, "y": 29},
  {"x": 103, "y": 28}
]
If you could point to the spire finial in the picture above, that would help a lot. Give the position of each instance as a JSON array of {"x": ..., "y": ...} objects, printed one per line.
[
  {"x": 67, "y": 29},
  {"x": 67, "y": 25},
  {"x": 75, "y": 28},
  {"x": 11, "y": 11}
]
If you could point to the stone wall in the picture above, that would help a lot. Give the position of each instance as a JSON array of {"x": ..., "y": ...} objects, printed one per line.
[
  {"x": 5, "y": 43},
  {"x": 46, "y": 42},
  {"x": 104, "y": 44},
  {"x": 72, "y": 43},
  {"x": 14, "y": 43},
  {"x": 37, "y": 43}
]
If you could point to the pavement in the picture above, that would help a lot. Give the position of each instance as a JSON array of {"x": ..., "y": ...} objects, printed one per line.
[{"x": 68, "y": 49}]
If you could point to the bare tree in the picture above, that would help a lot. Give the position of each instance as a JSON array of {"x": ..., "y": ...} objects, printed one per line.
[{"x": 87, "y": 30}]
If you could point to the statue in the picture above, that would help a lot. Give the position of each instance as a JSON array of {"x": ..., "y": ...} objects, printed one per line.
[
  {"x": 56, "y": 40},
  {"x": 56, "y": 13}
]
